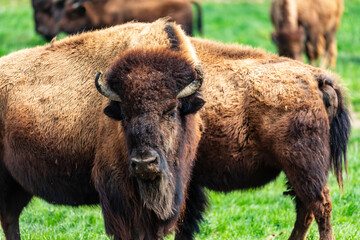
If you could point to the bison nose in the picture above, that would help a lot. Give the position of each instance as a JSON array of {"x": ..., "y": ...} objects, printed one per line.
[{"x": 146, "y": 168}]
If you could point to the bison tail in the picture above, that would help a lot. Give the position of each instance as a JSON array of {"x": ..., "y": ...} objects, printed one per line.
[
  {"x": 199, "y": 16},
  {"x": 339, "y": 136}
]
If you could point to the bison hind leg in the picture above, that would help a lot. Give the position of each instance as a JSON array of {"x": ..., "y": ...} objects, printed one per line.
[
  {"x": 12, "y": 201},
  {"x": 304, "y": 218},
  {"x": 304, "y": 154},
  {"x": 308, "y": 209}
]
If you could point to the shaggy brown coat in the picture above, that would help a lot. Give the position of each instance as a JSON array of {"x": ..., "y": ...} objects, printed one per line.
[
  {"x": 57, "y": 144},
  {"x": 312, "y": 23}
]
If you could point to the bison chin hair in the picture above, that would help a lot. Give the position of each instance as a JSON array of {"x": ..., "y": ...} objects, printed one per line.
[{"x": 158, "y": 195}]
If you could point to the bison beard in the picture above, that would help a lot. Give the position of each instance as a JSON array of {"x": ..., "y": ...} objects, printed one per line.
[{"x": 156, "y": 194}]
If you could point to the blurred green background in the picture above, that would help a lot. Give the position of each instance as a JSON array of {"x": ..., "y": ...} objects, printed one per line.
[{"x": 252, "y": 214}]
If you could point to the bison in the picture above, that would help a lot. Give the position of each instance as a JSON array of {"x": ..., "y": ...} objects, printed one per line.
[
  {"x": 74, "y": 16},
  {"x": 312, "y": 24},
  {"x": 264, "y": 115},
  {"x": 57, "y": 144}
]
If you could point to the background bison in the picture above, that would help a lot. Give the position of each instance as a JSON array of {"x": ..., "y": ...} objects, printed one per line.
[
  {"x": 57, "y": 144},
  {"x": 309, "y": 24},
  {"x": 75, "y": 16}
]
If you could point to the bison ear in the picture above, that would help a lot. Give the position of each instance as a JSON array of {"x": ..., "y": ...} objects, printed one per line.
[
  {"x": 113, "y": 110},
  {"x": 191, "y": 105}
]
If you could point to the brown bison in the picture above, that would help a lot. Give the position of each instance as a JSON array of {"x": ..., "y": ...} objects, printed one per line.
[
  {"x": 266, "y": 114},
  {"x": 310, "y": 23},
  {"x": 57, "y": 144},
  {"x": 74, "y": 16}
]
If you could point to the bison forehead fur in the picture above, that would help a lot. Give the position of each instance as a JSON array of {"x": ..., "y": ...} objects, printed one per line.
[{"x": 148, "y": 75}]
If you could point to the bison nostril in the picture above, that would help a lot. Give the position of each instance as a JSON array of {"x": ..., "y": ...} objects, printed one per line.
[
  {"x": 145, "y": 168},
  {"x": 155, "y": 160}
]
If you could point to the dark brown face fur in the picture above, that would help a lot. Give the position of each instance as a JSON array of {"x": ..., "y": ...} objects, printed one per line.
[
  {"x": 75, "y": 18},
  {"x": 290, "y": 44},
  {"x": 47, "y": 15},
  {"x": 153, "y": 121},
  {"x": 52, "y": 18}
]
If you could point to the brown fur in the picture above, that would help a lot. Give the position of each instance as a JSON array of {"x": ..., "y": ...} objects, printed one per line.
[
  {"x": 309, "y": 24},
  {"x": 57, "y": 144}
]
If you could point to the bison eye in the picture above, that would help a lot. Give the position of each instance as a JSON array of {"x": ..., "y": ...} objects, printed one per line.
[
  {"x": 113, "y": 110},
  {"x": 170, "y": 114}
]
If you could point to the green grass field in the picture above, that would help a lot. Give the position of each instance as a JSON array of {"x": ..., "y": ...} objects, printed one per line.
[{"x": 252, "y": 214}]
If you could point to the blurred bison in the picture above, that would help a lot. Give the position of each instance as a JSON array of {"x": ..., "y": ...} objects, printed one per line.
[
  {"x": 57, "y": 144},
  {"x": 47, "y": 13},
  {"x": 310, "y": 23},
  {"x": 74, "y": 16}
]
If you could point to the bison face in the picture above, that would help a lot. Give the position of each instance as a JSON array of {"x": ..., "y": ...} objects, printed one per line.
[
  {"x": 154, "y": 94},
  {"x": 75, "y": 17},
  {"x": 47, "y": 14},
  {"x": 290, "y": 44}
]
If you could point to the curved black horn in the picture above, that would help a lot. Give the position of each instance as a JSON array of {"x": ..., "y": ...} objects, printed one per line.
[
  {"x": 104, "y": 89},
  {"x": 194, "y": 85}
]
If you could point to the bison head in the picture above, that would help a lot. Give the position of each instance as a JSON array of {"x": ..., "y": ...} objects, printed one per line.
[
  {"x": 75, "y": 17},
  {"x": 290, "y": 43},
  {"x": 47, "y": 14},
  {"x": 154, "y": 93}
]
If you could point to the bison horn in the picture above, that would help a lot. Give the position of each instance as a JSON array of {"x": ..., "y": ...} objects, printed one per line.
[
  {"x": 76, "y": 5},
  {"x": 194, "y": 85},
  {"x": 104, "y": 89}
]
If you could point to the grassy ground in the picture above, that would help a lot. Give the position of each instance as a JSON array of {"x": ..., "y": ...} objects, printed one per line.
[{"x": 252, "y": 214}]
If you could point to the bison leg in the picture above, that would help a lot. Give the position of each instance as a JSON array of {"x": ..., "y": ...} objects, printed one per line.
[
  {"x": 322, "y": 212},
  {"x": 305, "y": 158},
  {"x": 330, "y": 50},
  {"x": 311, "y": 202},
  {"x": 304, "y": 219},
  {"x": 12, "y": 203},
  {"x": 307, "y": 208},
  {"x": 196, "y": 203},
  {"x": 313, "y": 41},
  {"x": 333, "y": 53}
]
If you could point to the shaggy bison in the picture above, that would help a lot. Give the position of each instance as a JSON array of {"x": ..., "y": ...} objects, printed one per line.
[
  {"x": 57, "y": 144},
  {"x": 265, "y": 114},
  {"x": 74, "y": 16},
  {"x": 312, "y": 24}
]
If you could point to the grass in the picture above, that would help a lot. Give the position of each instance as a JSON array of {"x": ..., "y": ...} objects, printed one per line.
[{"x": 252, "y": 214}]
